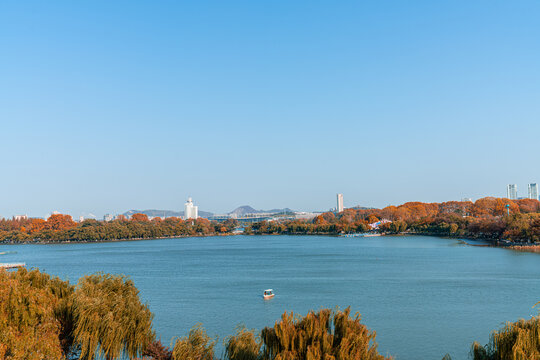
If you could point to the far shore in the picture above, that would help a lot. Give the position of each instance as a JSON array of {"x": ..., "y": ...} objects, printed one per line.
[
  {"x": 53, "y": 242},
  {"x": 525, "y": 247}
]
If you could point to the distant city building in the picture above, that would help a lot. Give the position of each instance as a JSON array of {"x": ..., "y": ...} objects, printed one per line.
[
  {"x": 466, "y": 200},
  {"x": 20, "y": 217},
  {"x": 339, "y": 203},
  {"x": 107, "y": 217},
  {"x": 511, "y": 191},
  {"x": 190, "y": 211},
  {"x": 533, "y": 191}
]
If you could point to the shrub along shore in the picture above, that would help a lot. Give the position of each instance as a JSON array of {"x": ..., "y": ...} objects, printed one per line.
[{"x": 498, "y": 220}]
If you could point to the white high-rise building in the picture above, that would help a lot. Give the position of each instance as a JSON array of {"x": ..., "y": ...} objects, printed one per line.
[
  {"x": 190, "y": 211},
  {"x": 533, "y": 191},
  {"x": 511, "y": 191},
  {"x": 339, "y": 203}
]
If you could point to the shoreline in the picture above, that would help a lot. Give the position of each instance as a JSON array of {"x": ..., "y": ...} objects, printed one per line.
[
  {"x": 527, "y": 247},
  {"x": 61, "y": 242}
]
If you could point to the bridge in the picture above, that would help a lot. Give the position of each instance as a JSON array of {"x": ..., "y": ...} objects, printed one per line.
[{"x": 251, "y": 218}]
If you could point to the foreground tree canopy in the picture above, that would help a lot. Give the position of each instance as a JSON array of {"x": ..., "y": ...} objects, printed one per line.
[
  {"x": 46, "y": 318},
  {"x": 109, "y": 318},
  {"x": 515, "y": 341},
  {"x": 323, "y": 335}
]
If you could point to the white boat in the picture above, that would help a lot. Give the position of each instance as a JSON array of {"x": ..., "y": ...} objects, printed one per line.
[
  {"x": 12, "y": 265},
  {"x": 268, "y": 294}
]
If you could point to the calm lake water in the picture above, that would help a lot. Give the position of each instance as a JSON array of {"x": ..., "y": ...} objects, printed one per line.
[{"x": 425, "y": 296}]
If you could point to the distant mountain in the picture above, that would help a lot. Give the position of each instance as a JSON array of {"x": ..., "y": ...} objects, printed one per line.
[
  {"x": 246, "y": 209},
  {"x": 243, "y": 210},
  {"x": 238, "y": 212},
  {"x": 165, "y": 213}
]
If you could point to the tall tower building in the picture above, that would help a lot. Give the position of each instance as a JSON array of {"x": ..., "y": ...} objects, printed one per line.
[
  {"x": 190, "y": 211},
  {"x": 339, "y": 207},
  {"x": 533, "y": 191},
  {"x": 511, "y": 191}
]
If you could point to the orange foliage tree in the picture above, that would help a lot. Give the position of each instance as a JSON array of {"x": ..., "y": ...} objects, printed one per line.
[
  {"x": 60, "y": 222},
  {"x": 37, "y": 225},
  {"x": 139, "y": 217},
  {"x": 493, "y": 206}
]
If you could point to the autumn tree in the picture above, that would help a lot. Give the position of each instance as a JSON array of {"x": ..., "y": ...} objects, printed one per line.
[
  {"x": 37, "y": 225},
  {"x": 490, "y": 206},
  {"x": 138, "y": 217},
  {"x": 319, "y": 335},
  {"x": 196, "y": 346},
  {"x": 33, "y": 320},
  {"x": 244, "y": 345},
  {"x": 515, "y": 341},
  {"x": 60, "y": 222},
  {"x": 528, "y": 205},
  {"x": 110, "y": 318},
  {"x": 372, "y": 219}
]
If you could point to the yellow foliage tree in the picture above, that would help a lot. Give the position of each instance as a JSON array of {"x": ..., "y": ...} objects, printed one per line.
[{"x": 29, "y": 328}]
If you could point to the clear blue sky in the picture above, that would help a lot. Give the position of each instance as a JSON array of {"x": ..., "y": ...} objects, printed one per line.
[{"x": 107, "y": 106}]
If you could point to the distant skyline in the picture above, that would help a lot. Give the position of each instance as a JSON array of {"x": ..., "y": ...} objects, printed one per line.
[
  {"x": 90, "y": 215},
  {"x": 111, "y": 106}
]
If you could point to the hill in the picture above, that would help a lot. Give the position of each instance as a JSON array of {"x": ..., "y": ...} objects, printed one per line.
[{"x": 238, "y": 212}]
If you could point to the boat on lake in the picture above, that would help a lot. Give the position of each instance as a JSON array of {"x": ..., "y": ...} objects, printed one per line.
[
  {"x": 12, "y": 265},
  {"x": 268, "y": 294}
]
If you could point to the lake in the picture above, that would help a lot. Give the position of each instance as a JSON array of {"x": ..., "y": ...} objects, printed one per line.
[{"x": 424, "y": 296}]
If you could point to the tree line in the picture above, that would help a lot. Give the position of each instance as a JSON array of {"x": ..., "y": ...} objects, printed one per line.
[
  {"x": 60, "y": 227},
  {"x": 487, "y": 218}
]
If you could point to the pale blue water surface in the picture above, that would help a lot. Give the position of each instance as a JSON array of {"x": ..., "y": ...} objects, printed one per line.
[{"x": 425, "y": 296}]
